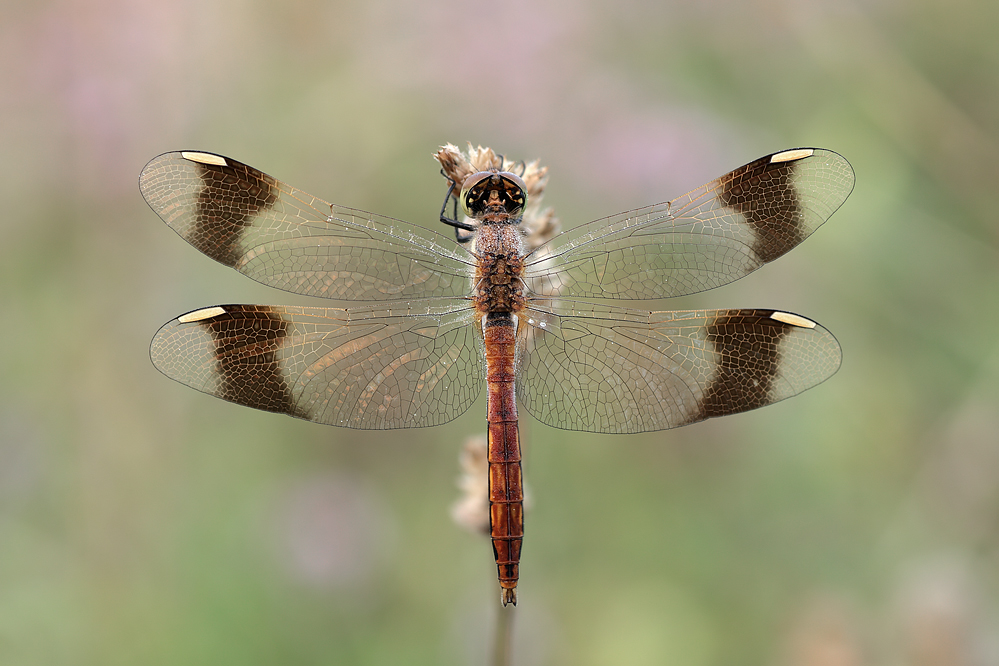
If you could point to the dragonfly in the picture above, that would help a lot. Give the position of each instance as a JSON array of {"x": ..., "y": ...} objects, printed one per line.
[{"x": 423, "y": 320}]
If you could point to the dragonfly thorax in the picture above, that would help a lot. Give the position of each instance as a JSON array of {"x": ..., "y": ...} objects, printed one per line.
[
  {"x": 493, "y": 192},
  {"x": 498, "y": 285}
]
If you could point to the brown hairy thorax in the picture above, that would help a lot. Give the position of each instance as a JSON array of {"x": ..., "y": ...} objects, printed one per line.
[{"x": 499, "y": 287}]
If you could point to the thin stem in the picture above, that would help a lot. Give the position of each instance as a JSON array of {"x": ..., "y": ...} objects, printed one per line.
[{"x": 503, "y": 647}]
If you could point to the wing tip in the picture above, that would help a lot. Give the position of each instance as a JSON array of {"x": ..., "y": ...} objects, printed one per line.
[
  {"x": 792, "y": 319},
  {"x": 200, "y": 315},
  {"x": 791, "y": 155},
  {"x": 204, "y": 158}
]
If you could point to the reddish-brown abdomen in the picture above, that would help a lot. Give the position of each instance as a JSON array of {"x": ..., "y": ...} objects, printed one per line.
[{"x": 506, "y": 488}]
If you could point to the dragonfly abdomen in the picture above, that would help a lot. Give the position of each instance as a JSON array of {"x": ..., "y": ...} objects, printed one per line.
[{"x": 506, "y": 488}]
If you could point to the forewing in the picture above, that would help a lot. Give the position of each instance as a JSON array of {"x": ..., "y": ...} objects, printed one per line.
[
  {"x": 614, "y": 370},
  {"x": 357, "y": 368},
  {"x": 704, "y": 239},
  {"x": 285, "y": 238}
]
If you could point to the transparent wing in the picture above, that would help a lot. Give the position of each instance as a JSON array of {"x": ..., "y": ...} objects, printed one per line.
[
  {"x": 704, "y": 239},
  {"x": 416, "y": 365},
  {"x": 288, "y": 239},
  {"x": 613, "y": 370}
]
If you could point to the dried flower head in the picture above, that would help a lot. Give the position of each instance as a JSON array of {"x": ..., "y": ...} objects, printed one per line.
[
  {"x": 538, "y": 225},
  {"x": 471, "y": 511}
]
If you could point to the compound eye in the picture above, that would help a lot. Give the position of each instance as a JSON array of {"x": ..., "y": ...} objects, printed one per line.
[
  {"x": 493, "y": 188},
  {"x": 474, "y": 192}
]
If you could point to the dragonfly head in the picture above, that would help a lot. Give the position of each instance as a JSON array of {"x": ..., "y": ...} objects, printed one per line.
[{"x": 493, "y": 191}]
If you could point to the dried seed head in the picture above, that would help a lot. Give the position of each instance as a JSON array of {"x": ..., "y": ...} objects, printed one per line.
[
  {"x": 471, "y": 511},
  {"x": 454, "y": 164}
]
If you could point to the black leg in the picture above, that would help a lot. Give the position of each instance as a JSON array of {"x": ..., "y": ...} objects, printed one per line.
[
  {"x": 458, "y": 226},
  {"x": 521, "y": 164}
]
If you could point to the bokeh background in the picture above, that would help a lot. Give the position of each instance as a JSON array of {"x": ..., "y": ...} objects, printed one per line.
[{"x": 144, "y": 523}]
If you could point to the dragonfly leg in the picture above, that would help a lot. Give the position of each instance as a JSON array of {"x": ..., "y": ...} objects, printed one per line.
[{"x": 453, "y": 222}]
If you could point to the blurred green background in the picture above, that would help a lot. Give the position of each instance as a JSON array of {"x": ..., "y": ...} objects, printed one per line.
[{"x": 144, "y": 523}]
